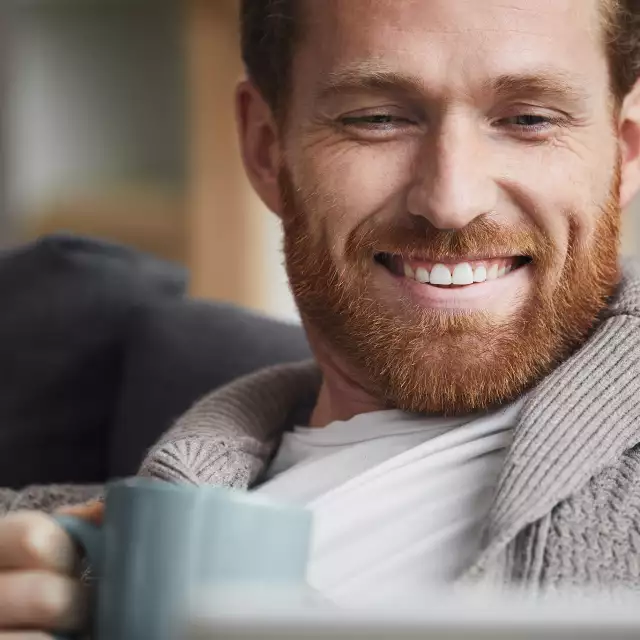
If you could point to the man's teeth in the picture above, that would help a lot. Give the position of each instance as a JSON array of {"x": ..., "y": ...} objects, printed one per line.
[
  {"x": 480, "y": 274},
  {"x": 460, "y": 274},
  {"x": 422, "y": 275},
  {"x": 441, "y": 275}
]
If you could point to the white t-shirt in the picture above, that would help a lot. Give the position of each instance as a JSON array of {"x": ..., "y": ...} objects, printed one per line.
[{"x": 399, "y": 500}]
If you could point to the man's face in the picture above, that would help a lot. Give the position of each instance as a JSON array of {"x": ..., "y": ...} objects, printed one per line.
[{"x": 451, "y": 185}]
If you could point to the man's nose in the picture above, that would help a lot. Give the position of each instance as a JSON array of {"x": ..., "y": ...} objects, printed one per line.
[{"x": 453, "y": 183}]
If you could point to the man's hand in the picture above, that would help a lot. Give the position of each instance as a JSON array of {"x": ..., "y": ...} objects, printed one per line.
[{"x": 40, "y": 590}]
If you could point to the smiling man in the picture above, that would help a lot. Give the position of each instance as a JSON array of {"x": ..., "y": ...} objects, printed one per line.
[{"x": 450, "y": 176}]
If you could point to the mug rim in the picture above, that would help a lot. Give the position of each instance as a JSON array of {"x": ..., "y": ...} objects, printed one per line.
[{"x": 237, "y": 495}]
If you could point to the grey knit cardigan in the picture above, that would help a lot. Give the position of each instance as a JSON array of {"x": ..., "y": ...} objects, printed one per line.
[{"x": 566, "y": 511}]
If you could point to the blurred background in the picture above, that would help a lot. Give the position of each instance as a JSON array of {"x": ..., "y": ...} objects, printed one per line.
[{"x": 117, "y": 122}]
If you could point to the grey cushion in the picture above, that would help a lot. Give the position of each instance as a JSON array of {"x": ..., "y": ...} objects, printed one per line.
[
  {"x": 179, "y": 350},
  {"x": 65, "y": 306}
]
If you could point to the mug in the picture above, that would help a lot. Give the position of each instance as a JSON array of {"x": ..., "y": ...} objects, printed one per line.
[{"x": 161, "y": 544}]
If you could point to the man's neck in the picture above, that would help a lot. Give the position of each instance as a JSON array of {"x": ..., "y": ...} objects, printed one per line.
[
  {"x": 335, "y": 402},
  {"x": 341, "y": 396}
]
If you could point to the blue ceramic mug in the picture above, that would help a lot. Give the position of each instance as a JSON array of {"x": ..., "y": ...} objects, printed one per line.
[{"x": 161, "y": 543}]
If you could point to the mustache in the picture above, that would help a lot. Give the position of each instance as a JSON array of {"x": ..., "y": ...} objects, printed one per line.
[{"x": 417, "y": 239}]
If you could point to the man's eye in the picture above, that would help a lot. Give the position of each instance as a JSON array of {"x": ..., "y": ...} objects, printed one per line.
[
  {"x": 381, "y": 120},
  {"x": 529, "y": 121}
]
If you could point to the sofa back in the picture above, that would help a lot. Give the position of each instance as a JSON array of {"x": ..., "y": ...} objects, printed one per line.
[{"x": 100, "y": 350}]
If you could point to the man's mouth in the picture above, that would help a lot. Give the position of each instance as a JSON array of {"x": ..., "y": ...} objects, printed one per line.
[{"x": 451, "y": 274}]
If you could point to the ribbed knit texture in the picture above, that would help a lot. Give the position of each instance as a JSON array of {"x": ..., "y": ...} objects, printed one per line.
[{"x": 567, "y": 506}]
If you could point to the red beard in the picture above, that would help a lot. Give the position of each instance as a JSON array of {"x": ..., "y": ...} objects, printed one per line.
[{"x": 431, "y": 361}]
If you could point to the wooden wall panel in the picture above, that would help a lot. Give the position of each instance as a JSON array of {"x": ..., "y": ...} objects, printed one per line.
[{"x": 224, "y": 247}]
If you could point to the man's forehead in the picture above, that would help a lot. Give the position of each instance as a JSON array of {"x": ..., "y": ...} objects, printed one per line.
[
  {"x": 431, "y": 37},
  {"x": 365, "y": 24},
  {"x": 453, "y": 15}
]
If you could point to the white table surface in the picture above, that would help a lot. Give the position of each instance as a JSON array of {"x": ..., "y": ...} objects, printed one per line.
[{"x": 433, "y": 615}]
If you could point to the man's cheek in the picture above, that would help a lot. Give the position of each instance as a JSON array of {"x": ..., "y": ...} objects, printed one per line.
[
  {"x": 337, "y": 208},
  {"x": 366, "y": 169}
]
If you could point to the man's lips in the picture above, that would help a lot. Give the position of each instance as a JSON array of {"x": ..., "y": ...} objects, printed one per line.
[
  {"x": 448, "y": 274},
  {"x": 493, "y": 286}
]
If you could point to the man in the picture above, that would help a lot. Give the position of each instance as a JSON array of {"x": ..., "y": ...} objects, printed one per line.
[{"x": 450, "y": 176}]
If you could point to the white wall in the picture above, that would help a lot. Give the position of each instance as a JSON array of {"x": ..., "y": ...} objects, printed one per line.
[
  {"x": 278, "y": 300},
  {"x": 95, "y": 96},
  {"x": 631, "y": 230}
]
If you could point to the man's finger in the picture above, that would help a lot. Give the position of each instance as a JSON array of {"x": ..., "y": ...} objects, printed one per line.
[
  {"x": 33, "y": 540},
  {"x": 40, "y": 600},
  {"x": 91, "y": 511}
]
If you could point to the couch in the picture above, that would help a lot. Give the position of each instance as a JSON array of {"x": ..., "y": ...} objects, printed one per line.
[{"x": 101, "y": 350}]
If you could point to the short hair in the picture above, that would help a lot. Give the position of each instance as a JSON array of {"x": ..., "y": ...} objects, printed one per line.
[
  {"x": 622, "y": 39},
  {"x": 271, "y": 30}
]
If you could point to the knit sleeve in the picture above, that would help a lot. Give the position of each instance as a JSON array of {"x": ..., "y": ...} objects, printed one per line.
[
  {"x": 211, "y": 444},
  {"x": 47, "y": 498},
  {"x": 229, "y": 437}
]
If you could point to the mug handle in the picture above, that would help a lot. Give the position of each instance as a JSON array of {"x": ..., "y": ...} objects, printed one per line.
[{"x": 88, "y": 537}]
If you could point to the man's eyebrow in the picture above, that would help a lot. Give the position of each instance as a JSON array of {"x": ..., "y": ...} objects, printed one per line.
[
  {"x": 366, "y": 77},
  {"x": 549, "y": 84},
  {"x": 544, "y": 84}
]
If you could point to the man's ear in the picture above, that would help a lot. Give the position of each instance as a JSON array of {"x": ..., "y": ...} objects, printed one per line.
[
  {"x": 259, "y": 144},
  {"x": 630, "y": 145}
]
